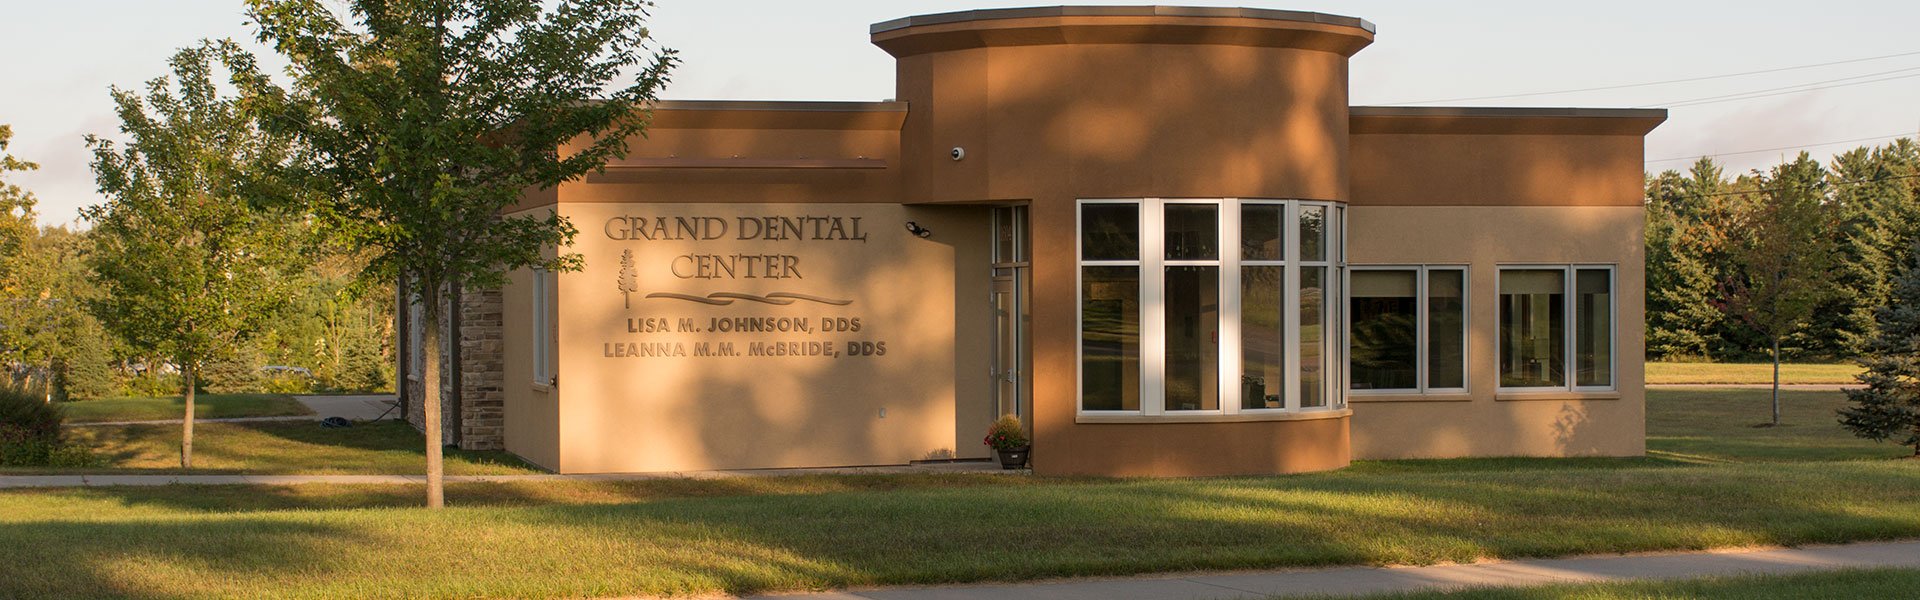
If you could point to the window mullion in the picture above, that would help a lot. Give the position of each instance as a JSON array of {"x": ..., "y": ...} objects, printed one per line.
[
  {"x": 1290, "y": 290},
  {"x": 1153, "y": 274},
  {"x": 1420, "y": 327},
  {"x": 1568, "y": 328},
  {"x": 1230, "y": 364}
]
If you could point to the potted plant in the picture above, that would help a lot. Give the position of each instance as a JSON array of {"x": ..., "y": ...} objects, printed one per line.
[{"x": 1009, "y": 439}]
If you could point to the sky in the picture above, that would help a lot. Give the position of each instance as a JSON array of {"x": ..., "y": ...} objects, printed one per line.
[{"x": 58, "y": 60}]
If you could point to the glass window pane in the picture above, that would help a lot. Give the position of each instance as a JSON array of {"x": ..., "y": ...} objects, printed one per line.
[
  {"x": 1110, "y": 338},
  {"x": 1533, "y": 328},
  {"x": 1110, "y": 231},
  {"x": 1193, "y": 338},
  {"x": 1446, "y": 329},
  {"x": 1386, "y": 335},
  {"x": 1312, "y": 326},
  {"x": 1263, "y": 374},
  {"x": 1261, "y": 235},
  {"x": 1022, "y": 241},
  {"x": 1003, "y": 234},
  {"x": 1313, "y": 233},
  {"x": 1193, "y": 231},
  {"x": 1593, "y": 327}
]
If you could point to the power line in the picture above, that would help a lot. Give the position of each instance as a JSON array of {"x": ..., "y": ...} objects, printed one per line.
[
  {"x": 1800, "y": 147},
  {"x": 1654, "y": 83},
  {"x": 1791, "y": 89}
]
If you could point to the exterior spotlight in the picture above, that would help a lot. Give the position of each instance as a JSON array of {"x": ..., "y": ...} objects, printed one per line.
[{"x": 915, "y": 229}]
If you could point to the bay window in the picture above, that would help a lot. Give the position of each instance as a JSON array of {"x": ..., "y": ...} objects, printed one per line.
[
  {"x": 1556, "y": 327},
  {"x": 1209, "y": 306},
  {"x": 1408, "y": 330}
]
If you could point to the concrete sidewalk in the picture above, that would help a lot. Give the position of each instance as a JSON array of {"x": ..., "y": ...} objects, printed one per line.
[{"x": 1356, "y": 581}]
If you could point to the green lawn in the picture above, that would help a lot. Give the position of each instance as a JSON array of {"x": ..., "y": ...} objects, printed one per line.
[
  {"x": 273, "y": 447},
  {"x": 1699, "y": 373},
  {"x": 1837, "y": 585},
  {"x": 1726, "y": 487},
  {"x": 205, "y": 406},
  {"x": 1709, "y": 425}
]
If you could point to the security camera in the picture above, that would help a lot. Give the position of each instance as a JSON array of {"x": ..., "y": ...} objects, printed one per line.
[{"x": 958, "y": 153}]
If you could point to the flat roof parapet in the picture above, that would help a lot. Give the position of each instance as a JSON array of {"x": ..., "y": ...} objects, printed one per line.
[
  {"x": 1054, "y": 25},
  {"x": 988, "y": 14}
]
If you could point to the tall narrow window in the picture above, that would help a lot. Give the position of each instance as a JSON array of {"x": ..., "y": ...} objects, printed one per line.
[
  {"x": 1191, "y": 297},
  {"x": 1313, "y": 306},
  {"x": 1263, "y": 314},
  {"x": 1533, "y": 328},
  {"x": 1593, "y": 328},
  {"x": 543, "y": 292},
  {"x": 1110, "y": 307},
  {"x": 1446, "y": 329},
  {"x": 1386, "y": 332}
]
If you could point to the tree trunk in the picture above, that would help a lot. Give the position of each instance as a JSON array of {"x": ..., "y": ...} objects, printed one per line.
[
  {"x": 1776, "y": 382},
  {"x": 186, "y": 421},
  {"x": 430, "y": 418}
]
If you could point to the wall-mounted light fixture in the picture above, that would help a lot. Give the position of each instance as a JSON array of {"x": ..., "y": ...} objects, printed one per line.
[{"x": 915, "y": 229}]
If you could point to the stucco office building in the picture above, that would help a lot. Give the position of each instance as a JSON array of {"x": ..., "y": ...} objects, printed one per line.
[{"x": 1160, "y": 235}]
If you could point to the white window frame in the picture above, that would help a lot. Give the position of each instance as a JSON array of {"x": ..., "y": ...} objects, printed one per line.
[
  {"x": 543, "y": 333},
  {"x": 1569, "y": 288},
  {"x": 1151, "y": 265},
  {"x": 1423, "y": 326}
]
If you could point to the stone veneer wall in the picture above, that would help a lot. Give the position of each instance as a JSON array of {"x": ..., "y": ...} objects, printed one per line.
[
  {"x": 483, "y": 372},
  {"x": 482, "y": 404}
]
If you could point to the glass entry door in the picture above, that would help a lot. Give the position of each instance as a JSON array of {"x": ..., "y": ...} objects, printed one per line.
[{"x": 1011, "y": 362}]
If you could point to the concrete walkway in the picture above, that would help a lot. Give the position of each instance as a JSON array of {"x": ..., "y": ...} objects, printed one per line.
[
  {"x": 1356, "y": 581},
  {"x": 357, "y": 408},
  {"x": 113, "y": 480}
]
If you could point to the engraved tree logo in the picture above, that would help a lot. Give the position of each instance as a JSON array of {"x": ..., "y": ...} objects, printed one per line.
[{"x": 629, "y": 280}]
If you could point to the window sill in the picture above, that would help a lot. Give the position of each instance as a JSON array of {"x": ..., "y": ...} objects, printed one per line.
[
  {"x": 1524, "y": 396},
  {"x": 543, "y": 387},
  {"x": 1410, "y": 397},
  {"x": 1251, "y": 417}
]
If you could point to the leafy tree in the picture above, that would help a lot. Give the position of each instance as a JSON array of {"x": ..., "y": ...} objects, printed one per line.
[
  {"x": 426, "y": 119},
  {"x": 1889, "y": 406},
  {"x": 16, "y": 205},
  {"x": 1780, "y": 261},
  {"x": 189, "y": 263}
]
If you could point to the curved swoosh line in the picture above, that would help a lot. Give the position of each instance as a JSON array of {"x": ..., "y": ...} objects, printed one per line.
[
  {"x": 689, "y": 298},
  {"x": 810, "y": 298},
  {"x": 768, "y": 299}
]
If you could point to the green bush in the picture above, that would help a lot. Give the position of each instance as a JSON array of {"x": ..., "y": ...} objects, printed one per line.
[
  {"x": 285, "y": 383},
  {"x": 149, "y": 384},
  {"x": 29, "y": 427}
]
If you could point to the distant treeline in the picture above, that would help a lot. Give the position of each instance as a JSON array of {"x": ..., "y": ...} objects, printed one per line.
[{"x": 1869, "y": 202}]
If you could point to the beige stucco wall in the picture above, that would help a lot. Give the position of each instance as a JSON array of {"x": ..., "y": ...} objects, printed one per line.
[
  {"x": 532, "y": 420},
  {"x": 690, "y": 412},
  {"x": 1485, "y": 423}
]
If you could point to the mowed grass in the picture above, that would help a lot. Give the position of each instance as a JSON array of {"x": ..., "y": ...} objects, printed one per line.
[
  {"x": 687, "y": 537},
  {"x": 682, "y": 537},
  {"x": 273, "y": 447},
  {"x": 1749, "y": 373},
  {"x": 1836, "y": 585},
  {"x": 205, "y": 406},
  {"x": 1719, "y": 425}
]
